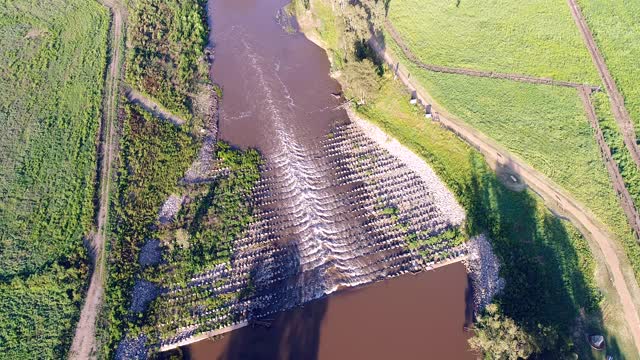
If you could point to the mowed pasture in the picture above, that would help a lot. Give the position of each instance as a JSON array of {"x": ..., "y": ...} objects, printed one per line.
[
  {"x": 52, "y": 63},
  {"x": 615, "y": 25},
  {"x": 546, "y": 127},
  {"x": 537, "y": 38}
]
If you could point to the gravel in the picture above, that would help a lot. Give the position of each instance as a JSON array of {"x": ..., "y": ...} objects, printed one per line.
[
  {"x": 443, "y": 197},
  {"x": 130, "y": 349},
  {"x": 170, "y": 209},
  {"x": 150, "y": 253},
  {"x": 484, "y": 270},
  {"x": 144, "y": 292}
]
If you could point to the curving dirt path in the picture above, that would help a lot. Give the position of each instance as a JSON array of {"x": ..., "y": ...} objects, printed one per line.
[
  {"x": 476, "y": 73},
  {"x": 84, "y": 344},
  {"x": 620, "y": 112},
  {"x": 496, "y": 156}
]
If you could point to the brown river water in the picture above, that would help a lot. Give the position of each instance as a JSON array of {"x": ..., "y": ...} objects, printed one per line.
[
  {"x": 277, "y": 98},
  {"x": 408, "y": 317}
]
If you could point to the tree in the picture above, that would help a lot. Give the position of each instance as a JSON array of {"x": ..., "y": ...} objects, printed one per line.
[
  {"x": 358, "y": 80},
  {"x": 499, "y": 337}
]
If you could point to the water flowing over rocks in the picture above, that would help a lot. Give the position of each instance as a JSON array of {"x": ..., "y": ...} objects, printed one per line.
[
  {"x": 321, "y": 223},
  {"x": 484, "y": 270}
]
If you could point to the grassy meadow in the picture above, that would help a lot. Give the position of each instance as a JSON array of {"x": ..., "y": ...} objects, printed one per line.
[
  {"x": 52, "y": 62},
  {"x": 537, "y": 38},
  {"x": 545, "y": 126},
  {"x": 615, "y": 25}
]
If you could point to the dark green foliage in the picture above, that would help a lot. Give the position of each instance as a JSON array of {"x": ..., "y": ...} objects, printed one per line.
[
  {"x": 216, "y": 214},
  {"x": 201, "y": 236},
  {"x": 499, "y": 337},
  {"x": 154, "y": 156},
  {"x": 167, "y": 42},
  {"x": 52, "y": 62},
  {"x": 39, "y": 313}
]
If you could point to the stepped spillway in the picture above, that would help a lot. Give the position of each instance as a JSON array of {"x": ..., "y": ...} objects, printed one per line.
[{"x": 322, "y": 222}]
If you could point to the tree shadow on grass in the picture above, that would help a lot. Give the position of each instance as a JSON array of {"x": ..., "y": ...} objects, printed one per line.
[{"x": 546, "y": 263}]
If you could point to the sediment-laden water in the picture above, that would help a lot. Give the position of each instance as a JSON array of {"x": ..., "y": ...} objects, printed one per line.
[
  {"x": 335, "y": 208},
  {"x": 408, "y": 317}
]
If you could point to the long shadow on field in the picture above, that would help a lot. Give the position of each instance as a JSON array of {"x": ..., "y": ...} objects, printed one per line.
[{"x": 546, "y": 264}]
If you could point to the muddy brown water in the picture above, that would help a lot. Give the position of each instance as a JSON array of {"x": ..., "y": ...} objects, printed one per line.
[
  {"x": 408, "y": 317},
  {"x": 278, "y": 99},
  {"x": 274, "y": 83}
]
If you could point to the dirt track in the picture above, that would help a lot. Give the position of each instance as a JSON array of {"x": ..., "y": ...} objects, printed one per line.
[
  {"x": 84, "y": 344},
  {"x": 476, "y": 73},
  {"x": 617, "y": 101},
  {"x": 551, "y": 193},
  {"x": 614, "y": 172}
]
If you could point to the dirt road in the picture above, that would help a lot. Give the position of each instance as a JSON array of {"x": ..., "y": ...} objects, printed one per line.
[
  {"x": 476, "y": 73},
  {"x": 612, "y": 168},
  {"x": 84, "y": 341},
  {"x": 620, "y": 112},
  {"x": 496, "y": 157}
]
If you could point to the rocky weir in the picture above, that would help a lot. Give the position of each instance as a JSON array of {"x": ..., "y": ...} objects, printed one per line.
[{"x": 338, "y": 205}]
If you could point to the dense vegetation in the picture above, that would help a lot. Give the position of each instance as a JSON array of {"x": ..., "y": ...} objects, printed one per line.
[
  {"x": 154, "y": 156},
  {"x": 211, "y": 217},
  {"x": 167, "y": 41},
  {"x": 547, "y": 264},
  {"x": 537, "y": 38},
  {"x": 616, "y": 28},
  {"x": 52, "y": 61}
]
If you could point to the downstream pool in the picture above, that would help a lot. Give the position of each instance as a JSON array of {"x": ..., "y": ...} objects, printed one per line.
[{"x": 409, "y": 317}]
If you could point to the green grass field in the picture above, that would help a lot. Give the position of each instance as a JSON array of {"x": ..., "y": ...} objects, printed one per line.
[
  {"x": 616, "y": 28},
  {"x": 546, "y": 127},
  {"x": 52, "y": 61},
  {"x": 537, "y": 38}
]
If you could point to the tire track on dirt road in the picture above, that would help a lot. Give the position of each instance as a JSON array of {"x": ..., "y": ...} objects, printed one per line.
[
  {"x": 612, "y": 168},
  {"x": 620, "y": 112},
  {"x": 84, "y": 345},
  {"x": 477, "y": 73},
  {"x": 551, "y": 193}
]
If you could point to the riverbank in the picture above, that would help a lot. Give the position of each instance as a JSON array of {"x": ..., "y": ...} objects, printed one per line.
[{"x": 531, "y": 243}]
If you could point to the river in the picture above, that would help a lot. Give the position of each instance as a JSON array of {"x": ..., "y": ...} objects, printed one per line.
[
  {"x": 328, "y": 233},
  {"x": 408, "y": 317}
]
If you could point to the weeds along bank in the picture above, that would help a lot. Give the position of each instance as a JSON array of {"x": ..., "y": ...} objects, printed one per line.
[
  {"x": 532, "y": 244},
  {"x": 161, "y": 168},
  {"x": 52, "y": 60}
]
